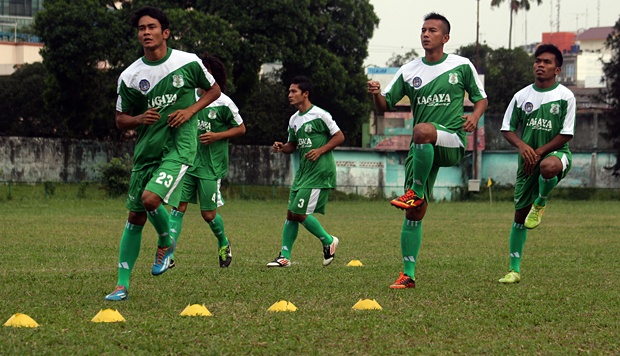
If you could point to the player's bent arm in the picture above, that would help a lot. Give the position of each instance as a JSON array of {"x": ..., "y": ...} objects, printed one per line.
[
  {"x": 555, "y": 144},
  {"x": 124, "y": 121},
  {"x": 208, "y": 96},
  {"x": 480, "y": 107},
  {"x": 289, "y": 148},
  {"x": 230, "y": 133},
  {"x": 529, "y": 155},
  {"x": 380, "y": 103},
  {"x": 471, "y": 120},
  {"x": 336, "y": 140}
]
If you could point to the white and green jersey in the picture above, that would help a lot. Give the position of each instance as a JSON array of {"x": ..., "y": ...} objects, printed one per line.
[
  {"x": 309, "y": 130},
  {"x": 542, "y": 114},
  {"x": 169, "y": 85},
  {"x": 436, "y": 90},
  {"x": 212, "y": 160}
]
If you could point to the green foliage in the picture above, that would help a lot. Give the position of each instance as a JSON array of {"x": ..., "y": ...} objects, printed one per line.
[
  {"x": 49, "y": 188},
  {"x": 114, "y": 175},
  {"x": 612, "y": 93},
  {"x": 506, "y": 72},
  {"x": 397, "y": 60},
  {"x": 73, "y": 58},
  {"x": 23, "y": 112},
  {"x": 509, "y": 70},
  {"x": 326, "y": 40}
]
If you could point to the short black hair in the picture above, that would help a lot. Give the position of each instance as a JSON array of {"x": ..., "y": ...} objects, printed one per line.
[
  {"x": 217, "y": 69},
  {"x": 153, "y": 12},
  {"x": 303, "y": 83},
  {"x": 442, "y": 18},
  {"x": 549, "y": 48}
]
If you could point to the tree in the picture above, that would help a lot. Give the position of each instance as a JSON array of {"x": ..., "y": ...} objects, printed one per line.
[
  {"x": 509, "y": 70},
  {"x": 612, "y": 93},
  {"x": 397, "y": 60},
  {"x": 469, "y": 52},
  {"x": 515, "y": 6},
  {"x": 22, "y": 111},
  {"x": 79, "y": 92},
  {"x": 326, "y": 40}
]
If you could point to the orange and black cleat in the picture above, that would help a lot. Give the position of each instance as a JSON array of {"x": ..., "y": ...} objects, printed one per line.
[
  {"x": 408, "y": 200},
  {"x": 403, "y": 281}
]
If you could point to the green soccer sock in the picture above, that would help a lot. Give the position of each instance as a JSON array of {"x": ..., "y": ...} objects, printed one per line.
[
  {"x": 518, "y": 235},
  {"x": 289, "y": 235},
  {"x": 176, "y": 224},
  {"x": 423, "y": 155},
  {"x": 314, "y": 227},
  {"x": 545, "y": 186},
  {"x": 217, "y": 226},
  {"x": 410, "y": 242},
  {"x": 159, "y": 218},
  {"x": 129, "y": 251}
]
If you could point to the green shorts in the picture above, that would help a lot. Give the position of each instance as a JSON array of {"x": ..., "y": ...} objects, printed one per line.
[
  {"x": 308, "y": 201},
  {"x": 526, "y": 187},
  {"x": 448, "y": 151},
  {"x": 164, "y": 180},
  {"x": 205, "y": 190}
]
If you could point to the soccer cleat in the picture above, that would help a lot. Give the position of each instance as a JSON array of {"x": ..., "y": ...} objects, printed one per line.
[
  {"x": 162, "y": 259},
  {"x": 280, "y": 261},
  {"x": 403, "y": 281},
  {"x": 225, "y": 255},
  {"x": 408, "y": 200},
  {"x": 511, "y": 277},
  {"x": 172, "y": 264},
  {"x": 329, "y": 251},
  {"x": 534, "y": 216},
  {"x": 120, "y": 293}
]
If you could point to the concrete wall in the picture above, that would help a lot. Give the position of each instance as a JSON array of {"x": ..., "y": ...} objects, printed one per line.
[
  {"x": 56, "y": 160},
  {"x": 360, "y": 171}
]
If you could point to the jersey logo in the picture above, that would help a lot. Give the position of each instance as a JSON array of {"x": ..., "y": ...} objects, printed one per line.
[
  {"x": 177, "y": 80},
  {"x": 528, "y": 107},
  {"x": 308, "y": 128},
  {"x": 453, "y": 79},
  {"x": 144, "y": 85},
  {"x": 555, "y": 109},
  {"x": 417, "y": 82},
  {"x": 212, "y": 114}
]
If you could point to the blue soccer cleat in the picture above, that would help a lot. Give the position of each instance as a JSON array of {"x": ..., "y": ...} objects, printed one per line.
[
  {"x": 120, "y": 293},
  {"x": 162, "y": 259}
]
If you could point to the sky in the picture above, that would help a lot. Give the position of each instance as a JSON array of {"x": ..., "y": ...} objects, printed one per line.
[{"x": 401, "y": 21}]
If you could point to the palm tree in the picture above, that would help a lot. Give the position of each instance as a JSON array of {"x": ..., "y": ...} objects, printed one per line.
[{"x": 515, "y": 5}]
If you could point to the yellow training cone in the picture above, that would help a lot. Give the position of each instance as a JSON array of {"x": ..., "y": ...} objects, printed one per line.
[
  {"x": 367, "y": 304},
  {"x": 108, "y": 316},
  {"x": 20, "y": 320},
  {"x": 196, "y": 310},
  {"x": 355, "y": 263},
  {"x": 282, "y": 305}
]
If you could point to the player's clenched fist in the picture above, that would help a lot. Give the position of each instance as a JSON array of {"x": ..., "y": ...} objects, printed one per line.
[
  {"x": 374, "y": 87},
  {"x": 277, "y": 146}
]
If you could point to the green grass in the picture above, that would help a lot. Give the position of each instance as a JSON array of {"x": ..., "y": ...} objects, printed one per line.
[{"x": 59, "y": 257}]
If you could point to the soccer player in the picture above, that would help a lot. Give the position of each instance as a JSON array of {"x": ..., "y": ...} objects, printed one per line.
[
  {"x": 217, "y": 123},
  {"x": 435, "y": 85},
  {"x": 313, "y": 134},
  {"x": 546, "y": 113},
  {"x": 156, "y": 97}
]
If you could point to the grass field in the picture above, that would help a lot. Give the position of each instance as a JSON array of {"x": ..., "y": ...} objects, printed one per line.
[{"x": 59, "y": 257}]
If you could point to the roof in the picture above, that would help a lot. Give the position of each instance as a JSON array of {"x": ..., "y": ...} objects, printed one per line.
[{"x": 595, "y": 33}]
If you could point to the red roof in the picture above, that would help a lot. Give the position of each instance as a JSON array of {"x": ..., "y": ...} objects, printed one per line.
[{"x": 595, "y": 33}]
